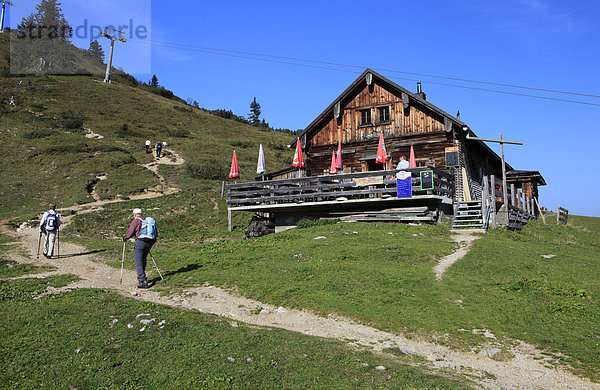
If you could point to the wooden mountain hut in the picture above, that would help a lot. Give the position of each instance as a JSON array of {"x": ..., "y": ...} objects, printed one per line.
[{"x": 467, "y": 174}]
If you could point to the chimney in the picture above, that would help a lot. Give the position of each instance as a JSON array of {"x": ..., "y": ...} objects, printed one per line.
[{"x": 420, "y": 94}]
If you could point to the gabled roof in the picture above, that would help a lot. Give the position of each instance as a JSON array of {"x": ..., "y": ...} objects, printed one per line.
[{"x": 392, "y": 85}]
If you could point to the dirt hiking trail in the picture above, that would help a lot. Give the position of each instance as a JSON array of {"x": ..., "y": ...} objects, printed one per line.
[{"x": 526, "y": 370}]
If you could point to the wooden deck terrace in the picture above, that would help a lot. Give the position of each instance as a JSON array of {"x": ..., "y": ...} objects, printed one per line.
[{"x": 372, "y": 190}]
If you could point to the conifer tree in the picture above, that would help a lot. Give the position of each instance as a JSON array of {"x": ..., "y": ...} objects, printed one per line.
[
  {"x": 96, "y": 51},
  {"x": 154, "y": 81},
  {"x": 47, "y": 23},
  {"x": 254, "y": 116}
]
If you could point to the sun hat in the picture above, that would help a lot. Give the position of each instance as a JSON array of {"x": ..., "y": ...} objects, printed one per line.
[{"x": 137, "y": 211}]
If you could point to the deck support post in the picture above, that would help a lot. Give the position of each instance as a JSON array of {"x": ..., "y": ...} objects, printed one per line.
[{"x": 229, "y": 220}]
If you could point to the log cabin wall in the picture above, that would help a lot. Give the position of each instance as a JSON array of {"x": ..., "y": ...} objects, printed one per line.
[{"x": 415, "y": 124}]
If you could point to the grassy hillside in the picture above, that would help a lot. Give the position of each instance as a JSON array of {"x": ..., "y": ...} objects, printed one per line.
[{"x": 46, "y": 156}]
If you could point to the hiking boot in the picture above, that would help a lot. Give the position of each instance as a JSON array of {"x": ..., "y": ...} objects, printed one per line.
[{"x": 143, "y": 285}]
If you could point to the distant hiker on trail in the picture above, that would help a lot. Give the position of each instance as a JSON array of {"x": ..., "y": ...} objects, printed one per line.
[
  {"x": 12, "y": 101},
  {"x": 158, "y": 149},
  {"x": 49, "y": 226},
  {"x": 148, "y": 145},
  {"x": 20, "y": 82},
  {"x": 29, "y": 82},
  {"x": 145, "y": 233},
  {"x": 403, "y": 164}
]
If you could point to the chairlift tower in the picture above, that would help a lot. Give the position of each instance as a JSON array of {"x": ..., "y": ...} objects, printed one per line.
[
  {"x": 113, "y": 35},
  {"x": 4, "y": 3}
]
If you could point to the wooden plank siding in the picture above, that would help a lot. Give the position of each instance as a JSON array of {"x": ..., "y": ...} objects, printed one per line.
[{"x": 417, "y": 126}]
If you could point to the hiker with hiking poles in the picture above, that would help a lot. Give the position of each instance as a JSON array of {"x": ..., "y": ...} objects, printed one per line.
[
  {"x": 49, "y": 227},
  {"x": 145, "y": 233}
]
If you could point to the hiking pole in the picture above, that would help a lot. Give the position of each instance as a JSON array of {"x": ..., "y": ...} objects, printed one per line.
[
  {"x": 156, "y": 266},
  {"x": 58, "y": 238},
  {"x": 39, "y": 242},
  {"x": 122, "y": 263}
]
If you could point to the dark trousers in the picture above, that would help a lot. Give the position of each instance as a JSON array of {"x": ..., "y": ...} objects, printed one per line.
[
  {"x": 147, "y": 149},
  {"x": 140, "y": 253},
  {"x": 158, "y": 150}
]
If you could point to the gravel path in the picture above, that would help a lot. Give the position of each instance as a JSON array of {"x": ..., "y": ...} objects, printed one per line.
[{"x": 465, "y": 241}]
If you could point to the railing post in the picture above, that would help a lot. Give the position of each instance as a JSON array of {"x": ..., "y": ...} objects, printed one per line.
[
  {"x": 512, "y": 194},
  {"x": 493, "y": 199},
  {"x": 484, "y": 196}
]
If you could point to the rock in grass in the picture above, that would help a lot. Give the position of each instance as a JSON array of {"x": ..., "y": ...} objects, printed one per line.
[
  {"x": 113, "y": 322},
  {"x": 380, "y": 368},
  {"x": 142, "y": 315},
  {"x": 147, "y": 322},
  {"x": 445, "y": 364},
  {"x": 407, "y": 350},
  {"x": 230, "y": 359},
  {"x": 320, "y": 238},
  {"x": 281, "y": 309},
  {"x": 490, "y": 352},
  {"x": 548, "y": 256}
]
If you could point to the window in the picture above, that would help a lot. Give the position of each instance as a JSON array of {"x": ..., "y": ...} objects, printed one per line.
[
  {"x": 384, "y": 114},
  {"x": 365, "y": 117}
]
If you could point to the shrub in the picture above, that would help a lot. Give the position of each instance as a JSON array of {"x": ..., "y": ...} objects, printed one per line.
[
  {"x": 124, "y": 131},
  {"x": 276, "y": 146},
  {"x": 125, "y": 160},
  {"x": 211, "y": 170},
  {"x": 178, "y": 133},
  {"x": 37, "y": 106},
  {"x": 183, "y": 109},
  {"x": 70, "y": 120},
  {"x": 242, "y": 144},
  {"x": 108, "y": 148},
  {"x": 41, "y": 133}
]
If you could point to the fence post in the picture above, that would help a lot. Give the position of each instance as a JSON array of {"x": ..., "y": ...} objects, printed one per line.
[{"x": 558, "y": 214}]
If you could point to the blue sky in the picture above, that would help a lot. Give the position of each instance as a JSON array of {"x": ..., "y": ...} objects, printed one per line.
[{"x": 539, "y": 43}]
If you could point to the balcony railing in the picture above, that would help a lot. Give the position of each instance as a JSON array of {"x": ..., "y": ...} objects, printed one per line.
[{"x": 340, "y": 187}]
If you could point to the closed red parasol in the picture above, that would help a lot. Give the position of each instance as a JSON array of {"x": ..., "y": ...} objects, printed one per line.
[
  {"x": 234, "y": 173},
  {"x": 333, "y": 170},
  {"x": 338, "y": 164},
  {"x": 381, "y": 152},
  {"x": 413, "y": 161},
  {"x": 298, "y": 159}
]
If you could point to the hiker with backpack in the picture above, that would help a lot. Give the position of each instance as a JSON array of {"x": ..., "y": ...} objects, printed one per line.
[
  {"x": 158, "y": 149},
  {"x": 49, "y": 227},
  {"x": 145, "y": 234}
]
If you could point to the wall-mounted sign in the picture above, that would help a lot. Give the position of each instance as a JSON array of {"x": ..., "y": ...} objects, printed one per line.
[
  {"x": 452, "y": 157},
  {"x": 427, "y": 180}
]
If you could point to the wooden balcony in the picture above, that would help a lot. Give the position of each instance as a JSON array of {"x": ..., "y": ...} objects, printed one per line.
[{"x": 374, "y": 189}]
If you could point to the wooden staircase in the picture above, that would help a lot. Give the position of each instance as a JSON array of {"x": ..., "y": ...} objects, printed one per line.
[{"x": 468, "y": 216}]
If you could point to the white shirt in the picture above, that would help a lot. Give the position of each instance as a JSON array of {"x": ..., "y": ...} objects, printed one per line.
[
  {"x": 148, "y": 142},
  {"x": 403, "y": 165}
]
